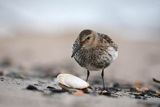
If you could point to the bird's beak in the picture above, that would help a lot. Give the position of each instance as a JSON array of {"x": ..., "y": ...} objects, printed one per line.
[{"x": 78, "y": 47}]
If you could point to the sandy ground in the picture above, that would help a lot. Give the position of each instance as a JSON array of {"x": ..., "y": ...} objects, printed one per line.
[
  {"x": 138, "y": 61},
  {"x": 13, "y": 93}
]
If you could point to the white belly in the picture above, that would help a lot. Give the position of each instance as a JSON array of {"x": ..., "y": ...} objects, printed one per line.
[{"x": 113, "y": 53}]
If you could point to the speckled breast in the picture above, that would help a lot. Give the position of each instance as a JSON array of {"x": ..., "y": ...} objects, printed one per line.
[{"x": 93, "y": 59}]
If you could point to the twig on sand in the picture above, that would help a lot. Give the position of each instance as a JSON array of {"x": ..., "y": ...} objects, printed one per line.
[{"x": 155, "y": 80}]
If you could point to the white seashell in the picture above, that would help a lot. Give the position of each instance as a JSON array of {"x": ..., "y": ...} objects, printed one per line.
[{"x": 71, "y": 81}]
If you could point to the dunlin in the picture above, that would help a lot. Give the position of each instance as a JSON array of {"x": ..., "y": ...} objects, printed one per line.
[{"x": 94, "y": 51}]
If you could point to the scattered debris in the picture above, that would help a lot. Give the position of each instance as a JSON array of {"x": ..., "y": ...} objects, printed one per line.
[
  {"x": 73, "y": 85},
  {"x": 117, "y": 90}
]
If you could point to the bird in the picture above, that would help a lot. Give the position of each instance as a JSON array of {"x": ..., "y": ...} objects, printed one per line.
[{"x": 94, "y": 51}]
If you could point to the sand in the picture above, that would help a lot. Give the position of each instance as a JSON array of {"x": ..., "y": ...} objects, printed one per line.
[{"x": 30, "y": 56}]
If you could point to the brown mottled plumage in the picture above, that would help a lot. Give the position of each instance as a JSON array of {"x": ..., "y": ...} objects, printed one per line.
[{"x": 94, "y": 51}]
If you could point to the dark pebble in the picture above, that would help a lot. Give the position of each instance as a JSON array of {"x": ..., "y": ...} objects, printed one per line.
[
  {"x": 114, "y": 89},
  {"x": 116, "y": 85},
  {"x": 138, "y": 97},
  {"x": 2, "y": 79},
  {"x": 49, "y": 87},
  {"x": 106, "y": 93},
  {"x": 31, "y": 87},
  {"x": 133, "y": 89}
]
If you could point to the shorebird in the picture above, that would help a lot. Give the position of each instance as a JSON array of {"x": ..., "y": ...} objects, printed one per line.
[{"x": 94, "y": 51}]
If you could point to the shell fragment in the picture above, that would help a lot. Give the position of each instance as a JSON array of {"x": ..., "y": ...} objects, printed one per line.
[{"x": 71, "y": 82}]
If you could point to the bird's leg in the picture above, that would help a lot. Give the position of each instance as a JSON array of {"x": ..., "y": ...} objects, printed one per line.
[
  {"x": 102, "y": 74},
  {"x": 87, "y": 75}
]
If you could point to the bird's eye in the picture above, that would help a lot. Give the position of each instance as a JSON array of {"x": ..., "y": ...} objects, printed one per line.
[{"x": 88, "y": 38}]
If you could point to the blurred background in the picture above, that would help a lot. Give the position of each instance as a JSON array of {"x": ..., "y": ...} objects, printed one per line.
[{"x": 38, "y": 35}]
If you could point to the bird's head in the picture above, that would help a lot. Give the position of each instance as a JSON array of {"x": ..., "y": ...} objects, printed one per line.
[{"x": 86, "y": 39}]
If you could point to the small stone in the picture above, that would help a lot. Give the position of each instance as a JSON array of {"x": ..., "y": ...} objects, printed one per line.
[
  {"x": 2, "y": 79},
  {"x": 31, "y": 87},
  {"x": 158, "y": 93},
  {"x": 79, "y": 93},
  {"x": 105, "y": 92}
]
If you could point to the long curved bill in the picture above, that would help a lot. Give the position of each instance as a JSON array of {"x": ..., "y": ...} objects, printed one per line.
[{"x": 78, "y": 47}]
